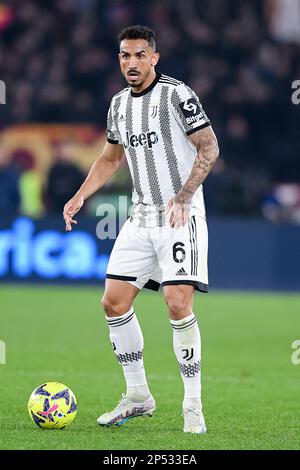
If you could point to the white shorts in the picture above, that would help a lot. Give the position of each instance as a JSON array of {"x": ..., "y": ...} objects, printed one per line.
[{"x": 149, "y": 257}]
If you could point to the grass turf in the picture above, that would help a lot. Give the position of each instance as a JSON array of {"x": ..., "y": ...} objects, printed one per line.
[{"x": 250, "y": 386}]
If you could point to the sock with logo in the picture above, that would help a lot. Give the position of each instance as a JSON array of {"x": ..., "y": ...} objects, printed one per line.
[
  {"x": 187, "y": 348},
  {"x": 128, "y": 344}
]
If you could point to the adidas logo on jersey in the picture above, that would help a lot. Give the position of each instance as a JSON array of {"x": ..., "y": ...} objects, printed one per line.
[
  {"x": 181, "y": 272},
  {"x": 145, "y": 139},
  {"x": 121, "y": 118}
]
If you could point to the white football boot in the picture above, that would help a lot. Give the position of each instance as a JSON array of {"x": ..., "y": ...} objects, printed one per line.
[
  {"x": 194, "y": 421},
  {"x": 127, "y": 409}
]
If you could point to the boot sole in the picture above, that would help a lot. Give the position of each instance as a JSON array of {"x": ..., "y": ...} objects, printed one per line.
[{"x": 148, "y": 413}]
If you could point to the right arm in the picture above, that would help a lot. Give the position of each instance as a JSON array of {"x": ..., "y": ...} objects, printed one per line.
[{"x": 101, "y": 171}]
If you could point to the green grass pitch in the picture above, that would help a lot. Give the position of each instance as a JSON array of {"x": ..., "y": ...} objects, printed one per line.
[{"x": 250, "y": 386}]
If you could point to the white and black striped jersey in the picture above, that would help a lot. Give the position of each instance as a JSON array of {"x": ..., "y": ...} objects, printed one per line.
[{"x": 153, "y": 126}]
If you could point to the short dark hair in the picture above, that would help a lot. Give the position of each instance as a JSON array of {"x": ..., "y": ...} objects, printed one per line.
[{"x": 139, "y": 32}]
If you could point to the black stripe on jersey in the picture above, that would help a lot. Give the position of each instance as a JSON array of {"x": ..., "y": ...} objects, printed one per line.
[
  {"x": 171, "y": 80},
  {"x": 198, "y": 128},
  {"x": 109, "y": 121},
  {"x": 160, "y": 218},
  {"x": 164, "y": 121},
  {"x": 149, "y": 154},
  {"x": 112, "y": 125},
  {"x": 131, "y": 150},
  {"x": 116, "y": 109},
  {"x": 168, "y": 82},
  {"x": 175, "y": 101}
]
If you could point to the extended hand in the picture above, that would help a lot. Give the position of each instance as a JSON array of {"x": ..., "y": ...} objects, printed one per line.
[{"x": 70, "y": 209}]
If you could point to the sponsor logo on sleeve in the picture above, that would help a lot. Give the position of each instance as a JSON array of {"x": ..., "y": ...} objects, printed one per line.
[{"x": 192, "y": 111}]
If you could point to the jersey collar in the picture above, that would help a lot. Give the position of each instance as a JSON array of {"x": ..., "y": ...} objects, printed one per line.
[{"x": 152, "y": 85}]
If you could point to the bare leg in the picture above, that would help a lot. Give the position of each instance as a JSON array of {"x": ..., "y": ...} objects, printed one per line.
[{"x": 118, "y": 297}]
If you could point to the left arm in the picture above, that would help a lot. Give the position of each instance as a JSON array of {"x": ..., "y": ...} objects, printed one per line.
[{"x": 206, "y": 144}]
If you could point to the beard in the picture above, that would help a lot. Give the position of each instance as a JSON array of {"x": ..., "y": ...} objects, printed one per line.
[{"x": 135, "y": 83}]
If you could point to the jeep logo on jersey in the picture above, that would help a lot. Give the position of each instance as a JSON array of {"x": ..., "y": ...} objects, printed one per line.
[
  {"x": 192, "y": 110},
  {"x": 145, "y": 139}
]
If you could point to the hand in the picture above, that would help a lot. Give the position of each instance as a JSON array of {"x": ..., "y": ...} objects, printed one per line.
[
  {"x": 178, "y": 212},
  {"x": 71, "y": 208}
]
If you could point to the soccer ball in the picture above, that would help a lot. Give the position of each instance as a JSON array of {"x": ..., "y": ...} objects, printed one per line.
[{"x": 52, "y": 406}]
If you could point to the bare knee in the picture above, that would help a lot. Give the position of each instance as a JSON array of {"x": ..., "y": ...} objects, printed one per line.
[
  {"x": 114, "y": 307},
  {"x": 178, "y": 309},
  {"x": 179, "y": 301},
  {"x": 118, "y": 297}
]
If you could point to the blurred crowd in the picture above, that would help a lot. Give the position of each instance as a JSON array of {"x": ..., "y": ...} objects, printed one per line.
[
  {"x": 58, "y": 59},
  {"x": 24, "y": 191}
]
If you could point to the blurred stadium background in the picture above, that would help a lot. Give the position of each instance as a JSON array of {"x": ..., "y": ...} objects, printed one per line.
[{"x": 58, "y": 59}]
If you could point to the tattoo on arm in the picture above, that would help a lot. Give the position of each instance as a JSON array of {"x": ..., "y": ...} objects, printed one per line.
[{"x": 206, "y": 144}]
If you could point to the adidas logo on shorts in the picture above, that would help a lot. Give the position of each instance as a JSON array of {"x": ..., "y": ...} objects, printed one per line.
[{"x": 181, "y": 272}]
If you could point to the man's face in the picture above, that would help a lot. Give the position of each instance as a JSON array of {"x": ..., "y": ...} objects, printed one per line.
[{"x": 137, "y": 60}]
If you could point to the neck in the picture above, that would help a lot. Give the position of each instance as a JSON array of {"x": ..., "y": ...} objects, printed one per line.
[{"x": 146, "y": 83}]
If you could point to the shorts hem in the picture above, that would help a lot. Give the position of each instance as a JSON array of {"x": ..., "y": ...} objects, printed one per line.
[
  {"x": 120, "y": 278},
  {"x": 150, "y": 284},
  {"x": 200, "y": 286}
]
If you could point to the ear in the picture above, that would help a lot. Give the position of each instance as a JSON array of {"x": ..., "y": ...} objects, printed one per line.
[{"x": 155, "y": 58}]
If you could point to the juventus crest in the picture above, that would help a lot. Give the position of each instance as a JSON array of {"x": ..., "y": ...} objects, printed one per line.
[{"x": 153, "y": 110}]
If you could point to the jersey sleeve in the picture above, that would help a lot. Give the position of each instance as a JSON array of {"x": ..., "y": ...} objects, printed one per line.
[
  {"x": 188, "y": 110},
  {"x": 112, "y": 132}
]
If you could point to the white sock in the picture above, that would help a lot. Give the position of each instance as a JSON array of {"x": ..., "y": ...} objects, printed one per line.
[
  {"x": 187, "y": 347},
  {"x": 127, "y": 341}
]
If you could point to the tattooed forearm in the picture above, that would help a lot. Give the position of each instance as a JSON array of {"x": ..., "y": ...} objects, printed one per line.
[
  {"x": 204, "y": 164},
  {"x": 206, "y": 144}
]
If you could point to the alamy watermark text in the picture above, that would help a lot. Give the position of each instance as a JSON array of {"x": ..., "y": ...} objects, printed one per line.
[
  {"x": 2, "y": 92},
  {"x": 2, "y": 352},
  {"x": 295, "y": 358},
  {"x": 296, "y": 93}
]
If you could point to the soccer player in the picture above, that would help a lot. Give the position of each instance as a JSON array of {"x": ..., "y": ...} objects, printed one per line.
[{"x": 170, "y": 147}]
